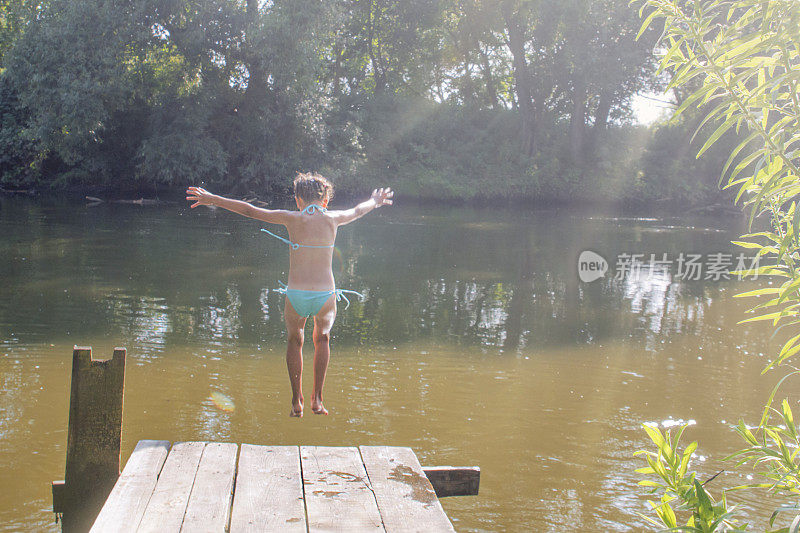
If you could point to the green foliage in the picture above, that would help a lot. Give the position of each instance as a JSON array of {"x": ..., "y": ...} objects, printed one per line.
[
  {"x": 457, "y": 152},
  {"x": 445, "y": 151},
  {"x": 14, "y": 15},
  {"x": 671, "y": 170},
  {"x": 18, "y": 156},
  {"x": 434, "y": 96},
  {"x": 748, "y": 67},
  {"x": 144, "y": 94},
  {"x": 385, "y": 47},
  {"x": 679, "y": 489},
  {"x": 739, "y": 61},
  {"x": 240, "y": 95},
  {"x": 177, "y": 146},
  {"x": 775, "y": 446}
]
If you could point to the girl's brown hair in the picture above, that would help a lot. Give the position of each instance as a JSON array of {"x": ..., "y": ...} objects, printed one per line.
[{"x": 311, "y": 187}]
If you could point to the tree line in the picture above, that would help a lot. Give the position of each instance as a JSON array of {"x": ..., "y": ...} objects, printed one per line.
[{"x": 438, "y": 98}]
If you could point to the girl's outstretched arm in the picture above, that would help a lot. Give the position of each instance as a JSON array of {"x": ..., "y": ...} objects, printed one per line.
[
  {"x": 201, "y": 196},
  {"x": 379, "y": 197}
]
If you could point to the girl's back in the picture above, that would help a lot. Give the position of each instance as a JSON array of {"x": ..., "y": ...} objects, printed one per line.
[{"x": 310, "y": 268}]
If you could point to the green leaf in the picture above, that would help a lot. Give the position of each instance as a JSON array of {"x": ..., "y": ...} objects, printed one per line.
[
  {"x": 721, "y": 130},
  {"x": 769, "y": 316},
  {"x": 655, "y": 435},
  {"x": 789, "y": 288},
  {"x": 758, "y": 292},
  {"x": 647, "y": 22},
  {"x": 765, "y": 415},
  {"x": 745, "y": 244}
]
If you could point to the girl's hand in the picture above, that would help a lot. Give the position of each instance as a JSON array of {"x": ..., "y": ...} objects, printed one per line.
[
  {"x": 382, "y": 196},
  {"x": 199, "y": 196}
]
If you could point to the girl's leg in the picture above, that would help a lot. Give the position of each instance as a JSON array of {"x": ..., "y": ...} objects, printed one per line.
[
  {"x": 323, "y": 322},
  {"x": 294, "y": 355}
]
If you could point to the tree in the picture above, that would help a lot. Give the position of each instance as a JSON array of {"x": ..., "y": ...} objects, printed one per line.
[
  {"x": 529, "y": 25},
  {"x": 148, "y": 93},
  {"x": 241, "y": 94},
  {"x": 13, "y": 16},
  {"x": 603, "y": 65},
  {"x": 73, "y": 71},
  {"x": 745, "y": 54}
]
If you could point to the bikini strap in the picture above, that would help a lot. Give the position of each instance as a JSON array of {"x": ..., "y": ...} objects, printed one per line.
[
  {"x": 310, "y": 209},
  {"x": 296, "y": 245}
]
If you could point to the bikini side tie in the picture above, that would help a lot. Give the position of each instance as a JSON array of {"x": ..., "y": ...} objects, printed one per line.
[
  {"x": 282, "y": 288},
  {"x": 340, "y": 296}
]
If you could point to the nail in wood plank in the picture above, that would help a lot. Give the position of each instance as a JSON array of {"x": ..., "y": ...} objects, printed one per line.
[
  {"x": 269, "y": 490},
  {"x": 210, "y": 502},
  {"x": 405, "y": 497},
  {"x": 125, "y": 506},
  {"x": 167, "y": 505},
  {"x": 337, "y": 491}
]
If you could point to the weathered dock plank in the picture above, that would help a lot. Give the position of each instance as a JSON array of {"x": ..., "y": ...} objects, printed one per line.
[
  {"x": 167, "y": 506},
  {"x": 405, "y": 496},
  {"x": 269, "y": 490},
  {"x": 337, "y": 491},
  {"x": 209, "y": 504},
  {"x": 126, "y": 504}
]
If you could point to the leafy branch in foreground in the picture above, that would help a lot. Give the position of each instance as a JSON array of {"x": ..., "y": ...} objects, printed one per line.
[
  {"x": 776, "y": 446},
  {"x": 679, "y": 486},
  {"x": 741, "y": 58}
]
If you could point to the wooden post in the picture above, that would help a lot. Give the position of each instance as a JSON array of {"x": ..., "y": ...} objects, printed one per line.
[
  {"x": 454, "y": 480},
  {"x": 93, "y": 438}
]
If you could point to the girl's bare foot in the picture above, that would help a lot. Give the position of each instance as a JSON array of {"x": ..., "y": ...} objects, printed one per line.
[
  {"x": 297, "y": 409},
  {"x": 317, "y": 408}
]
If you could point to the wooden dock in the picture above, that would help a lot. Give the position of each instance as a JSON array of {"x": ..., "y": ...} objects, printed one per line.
[
  {"x": 211, "y": 486},
  {"x": 217, "y": 486}
]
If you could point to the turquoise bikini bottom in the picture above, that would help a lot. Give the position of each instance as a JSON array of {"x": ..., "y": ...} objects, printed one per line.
[{"x": 308, "y": 303}]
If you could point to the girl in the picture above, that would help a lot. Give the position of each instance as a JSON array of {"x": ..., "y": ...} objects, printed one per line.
[{"x": 311, "y": 290}]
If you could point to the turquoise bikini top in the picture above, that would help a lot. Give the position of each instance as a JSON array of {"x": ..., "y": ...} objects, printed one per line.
[{"x": 310, "y": 209}]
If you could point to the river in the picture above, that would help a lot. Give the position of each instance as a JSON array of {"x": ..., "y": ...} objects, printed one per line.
[{"x": 475, "y": 344}]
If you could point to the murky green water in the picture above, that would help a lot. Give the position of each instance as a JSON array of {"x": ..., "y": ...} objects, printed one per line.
[{"x": 475, "y": 345}]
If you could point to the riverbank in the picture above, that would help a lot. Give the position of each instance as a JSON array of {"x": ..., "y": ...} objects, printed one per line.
[{"x": 635, "y": 207}]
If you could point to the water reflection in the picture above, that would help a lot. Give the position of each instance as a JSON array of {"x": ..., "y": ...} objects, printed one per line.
[{"x": 490, "y": 283}]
